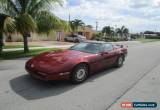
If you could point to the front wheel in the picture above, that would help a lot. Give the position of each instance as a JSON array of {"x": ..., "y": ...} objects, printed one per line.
[
  {"x": 119, "y": 61},
  {"x": 79, "y": 74}
]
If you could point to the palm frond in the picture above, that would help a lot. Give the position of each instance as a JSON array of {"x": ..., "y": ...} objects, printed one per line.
[
  {"x": 118, "y": 30},
  {"x": 9, "y": 7},
  {"x": 126, "y": 31},
  {"x": 64, "y": 25},
  {"x": 12, "y": 6},
  {"x": 2, "y": 18},
  {"x": 75, "y": 24},
  {"x": 25, "y": 24},
  {"x": 47, "y": 21},
  {"x": 73, "y": 27},
  {"x": 23, "y": 4},
  {"x": 9, "y": 25},
  {"x": 38, "y": 5}
]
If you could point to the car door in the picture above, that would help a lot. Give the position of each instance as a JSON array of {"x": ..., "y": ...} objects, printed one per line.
[
  {"x": 110, "y": 54},
  {"x": 75, "y": 38},
  {"x": 97, "y": 60},
  {"x": 70, "y": 38}
]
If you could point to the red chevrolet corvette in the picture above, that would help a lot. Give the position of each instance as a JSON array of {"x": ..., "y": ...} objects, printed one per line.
[{"x": 77, "y": 62}]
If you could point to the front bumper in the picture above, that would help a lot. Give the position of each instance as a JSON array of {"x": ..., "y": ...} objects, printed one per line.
[{"x": 47, "y": 77}]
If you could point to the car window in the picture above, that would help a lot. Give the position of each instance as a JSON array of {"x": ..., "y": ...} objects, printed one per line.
[
  {"x": 107, "y": 47},
  {"x": 74, "y": 36},
  {"x": 87, "y": 47},
  {"x": 71, "y": 36}
]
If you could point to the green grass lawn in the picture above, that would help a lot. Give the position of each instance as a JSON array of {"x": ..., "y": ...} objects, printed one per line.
[
  {"x": 18, "y": 46},
  {"x": 20, "y": 54},
  {"x": 143, "y": 40}
]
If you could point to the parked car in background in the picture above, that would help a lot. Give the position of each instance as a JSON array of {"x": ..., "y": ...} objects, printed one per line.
[
  {"x": 75, "y": 38},
  {"x": 77, "y": 62}
]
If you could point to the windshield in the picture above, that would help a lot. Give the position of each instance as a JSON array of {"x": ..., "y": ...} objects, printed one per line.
[{"x": 87, "y": 47}]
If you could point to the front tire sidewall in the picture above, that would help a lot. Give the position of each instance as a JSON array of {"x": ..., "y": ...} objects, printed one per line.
[
  {"x": 119, "y": 61},
  {"x": 76, "y": 76}
]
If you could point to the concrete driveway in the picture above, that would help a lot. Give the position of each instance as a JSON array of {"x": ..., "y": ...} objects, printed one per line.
[{"x": 105, "y": 90}]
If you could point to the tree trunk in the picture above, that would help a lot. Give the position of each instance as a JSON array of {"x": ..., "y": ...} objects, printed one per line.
[
  {"x": 1, "y": 42},
  {"x": 121, "y": 36},
  {"x": 25, "y": 42},
  {"x": 9, "y": 38},
  {"x": 111, "y": 36}
]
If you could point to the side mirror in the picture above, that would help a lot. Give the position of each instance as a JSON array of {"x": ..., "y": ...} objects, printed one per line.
[{"x": 104, "y": 53}]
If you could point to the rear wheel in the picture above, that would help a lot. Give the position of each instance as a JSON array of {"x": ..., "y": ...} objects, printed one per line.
[
  {"x": 65, "y": 40},
  {"x": 119, "y": 61},
  {"x": 76, "y": 41},
  {"x": 79, "y": 74}
]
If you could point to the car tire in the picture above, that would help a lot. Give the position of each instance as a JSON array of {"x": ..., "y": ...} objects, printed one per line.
[
  {"x": 65, "y": 40},
  {"x": 119, "y": 62},
  {"x": 76, "y": 41},
  {"x": 79, "y": 74}
]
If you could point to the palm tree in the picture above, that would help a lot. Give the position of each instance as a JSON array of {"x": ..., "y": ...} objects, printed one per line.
[
  {"x": 53, "y": 22},
  {"x": 7, "y": 25},
  {"x": 107, "y": 30},
  {"x": 75, "y": 24},
  {"x": 31, "y": 16},
  {"x": 89, "y": 26},
  {"x": 123, "y": 31}
]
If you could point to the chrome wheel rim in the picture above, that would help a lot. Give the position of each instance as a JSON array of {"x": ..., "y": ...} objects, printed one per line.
[
  {"x": 81, "y": 73},
  {"x": 120, "y": 61}
]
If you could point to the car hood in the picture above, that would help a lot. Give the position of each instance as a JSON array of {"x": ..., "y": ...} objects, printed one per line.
[
  {"x": 61, "y": 56},
  {"x": 56, "y": 59}
]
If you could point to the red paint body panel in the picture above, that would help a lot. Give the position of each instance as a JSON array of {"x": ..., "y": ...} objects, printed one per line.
[{"x": 58, "y": 65}]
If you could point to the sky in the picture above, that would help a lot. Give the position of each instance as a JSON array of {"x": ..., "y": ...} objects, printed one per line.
[{"x": 137, "y": 15}]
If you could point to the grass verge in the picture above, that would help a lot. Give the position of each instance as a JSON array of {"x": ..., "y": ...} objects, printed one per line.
[
  {"x": 143, "y": 40},
  {"x": 17, "y": 46},
  {"x": 20, "y": 54}
]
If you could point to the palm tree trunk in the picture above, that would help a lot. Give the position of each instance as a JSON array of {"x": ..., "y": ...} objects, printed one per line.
[
  {"x": 25, "y": 42},
  {"x": 121, "y": 36},
  {"x": 111, "y": 36},
  {"x": 1, "y": 42}
]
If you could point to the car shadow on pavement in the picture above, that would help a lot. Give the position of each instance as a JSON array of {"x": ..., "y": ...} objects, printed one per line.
[{"x": 32, "y": 89}]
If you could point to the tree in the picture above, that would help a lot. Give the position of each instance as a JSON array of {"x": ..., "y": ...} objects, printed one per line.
[
  {"x": 31, "y": 16},
  {"x": 97, "y": 36},
  {"x": 75, "y": 24},
  {"x": 7, "y": 25},
  {"x": 89, "y": 26},
  {"x": 123, "y": 31},
  {"x": 107, "y": 30},
  {"x": 53, "y": 22}
]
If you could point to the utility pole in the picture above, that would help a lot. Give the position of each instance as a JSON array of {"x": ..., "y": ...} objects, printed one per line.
[
  {"x": 96, "y": 26},
  {"x": 69, "y": 17}
]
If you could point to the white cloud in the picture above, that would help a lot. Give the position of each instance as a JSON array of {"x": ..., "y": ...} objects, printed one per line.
[{"x": 137, "y": 15}]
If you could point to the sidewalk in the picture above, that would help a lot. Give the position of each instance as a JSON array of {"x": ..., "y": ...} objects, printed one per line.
[
  {"x": 54, "y": 46},
  {"x": 41, "y": 43},
  {"x": 146, "y": 90},
  {"x": 60, "y": 45}
]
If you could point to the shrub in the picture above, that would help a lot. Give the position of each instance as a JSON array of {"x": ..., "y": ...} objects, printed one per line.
[
  {"x": 114, "y": 39},
  {"x": 152, "y": 37}
]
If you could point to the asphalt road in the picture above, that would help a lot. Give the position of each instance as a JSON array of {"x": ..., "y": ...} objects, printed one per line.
[{"x": 18, "y": 91}]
